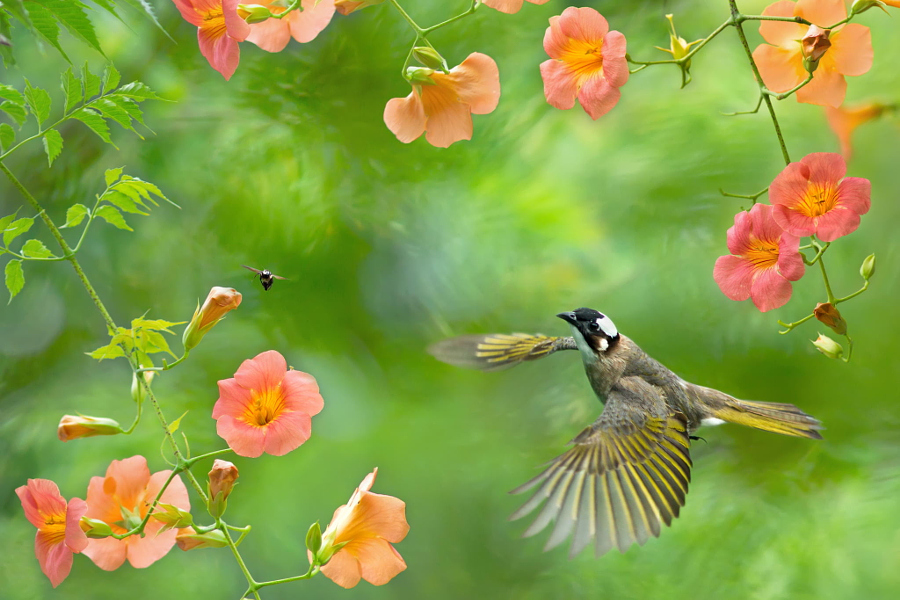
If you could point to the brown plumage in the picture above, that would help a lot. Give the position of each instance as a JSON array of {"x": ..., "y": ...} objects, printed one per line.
[{"x": 627, "y": 473}]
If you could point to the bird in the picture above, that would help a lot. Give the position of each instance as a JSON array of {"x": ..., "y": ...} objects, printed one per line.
[
  {"x": 266, "y": 277},
  {"x": 626, "y": 474}
]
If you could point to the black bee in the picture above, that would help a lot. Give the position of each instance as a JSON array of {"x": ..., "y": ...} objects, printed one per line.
[{"x": 266, "y": 277}]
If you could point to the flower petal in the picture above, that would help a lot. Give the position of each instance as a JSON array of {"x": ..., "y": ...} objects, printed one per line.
[
  {"x": 560, "y": 88},
  {"x": 827, "y": 88},
  {"x": 107, "y": 553},
  {"x": 287, "y": 432},
  {"x": 794, "y": 222},
  {"x": 476, "y": 82},
  {"x": 851, "y": 50},
  {"x": 221, "y": 51},
  {"x": 233, "y": 399},
  {"x": 76, "y": 539},
  {"x": 405, "y": 117},
  {"x": 343, "y": 569},
  {"x": 244, "y": 439},
  {"x": 509, "y": 7},
  {"x": 378, "y": 515},
  {"x": 762, "y": 225},
  {"x": 315, "y": 16},
  {"x": 738, "y": 235},
  {"x": 836, "y": 223},
  {"x": 186, "y": 8},
  {"x": 237, "y": 28},
  {"x": 144, "y": 551},
  {"x": 790, "y": 262},
  {"x": 855, "y": 193},
  {"x": 40, "y": 496},
  {"x": 822, "y": 12},
  {"x": 448, "y": 121},
  {"x": 615, "y": 67},
  {"x": 770, "y": 290},
  {"x": 379, "y": 562},
  {"x": 272, "y": 35},
  {"x": 781, "y": 33},
  {"x": 583, "y": 24},
  {"x": 262, "y": 372},
  {"x": 790, "y": 186},
  {"x": 825, "y": 167},
  {"x": 131, "y": 476},
  {"x": 598, "y": 97},
  {"x": 54, "y": 557},
  {"x": 734, "y": 275},
  {"x": 555, "y": 41},
  {"x": 780, "y": 69},
  {"x": 301, "y": 393}
]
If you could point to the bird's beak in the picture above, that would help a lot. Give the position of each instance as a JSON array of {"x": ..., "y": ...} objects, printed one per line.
[{"x": 568, "y": 317}]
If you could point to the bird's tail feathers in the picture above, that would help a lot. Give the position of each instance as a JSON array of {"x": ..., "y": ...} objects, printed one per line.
[{"x": 776, "y": 417}]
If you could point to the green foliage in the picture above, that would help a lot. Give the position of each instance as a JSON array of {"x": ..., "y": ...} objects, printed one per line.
[
  {"x": 75, "y": 215},
  {"x": 16, "y": 228},
  {"x": 15, "y": 278},
  {"x": 143, "y": 338},
  {"x": 7, "y": 136},
  {"x": 53, "y": 144},
  {"x": 36, "y": 249}
]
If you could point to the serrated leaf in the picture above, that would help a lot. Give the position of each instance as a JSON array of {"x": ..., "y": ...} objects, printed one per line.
[
  {"x": 148, "y": 187},
  {"x": 95, "y": 122},
  {"x": 36, "y": 249},
  {"x": 173, "y": 426},
  {"x": 5, "y": 221},
  {"x": 155, "y": 324},
  {"x": 7, "y": 136},
  {"x": 108, "y": 351},
  {"x": 71, "y": 14},
  {"x": 12, "y": 94},
  {"x": 71, "y": 85},
  {"x": 15, "y": 278},
  {"x": 75, "y": 215},
  {"x": 111, "y": 215},
  {"x": 16, "y": 111},
  {"x": 111, "y": 78},
  {"x": 115, "y": 112},
  {"x": 133, "y": 192},
  {"x": 91, "y": 82},
  {"x": 38, "y": 101},
  {"x": 44, "y": 23},
  {"x": 138, "y": 91},
  {"x": 15, "y": 229},
  {"x": 53, "y": 144},
  {"x": 152, "y": 342},
  {"x": 123, "y": 202},
  {"x": 130, "y": 106},
  {"x": 112, "y": 175},
  {"x": 6, "y": 51}
]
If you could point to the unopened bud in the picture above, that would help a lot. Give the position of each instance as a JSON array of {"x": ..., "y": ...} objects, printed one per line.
[
  {"x": 345, "y": 7},
  {"x": 254, "y": 13},
  {"x": 814, "y": 45},
  {"x": 72, "y": 427},
  {"x": 188, "y": 539},
  {"x": 868, "y": 267},
  {"x": 428, "y": 57},
  {"x": 220, "y": 301},
  {"x": 417, "y": 75},
  {"x": 861, "y": 6},
  {"x": 95, "y": 528},
  {"x": 137, "y": 389},
  {"x": 172, "y": 517},
  {"x": 828, "y": 314},
  {"x": 828, "y": 346},
  {"x": 221, "y": 481}
]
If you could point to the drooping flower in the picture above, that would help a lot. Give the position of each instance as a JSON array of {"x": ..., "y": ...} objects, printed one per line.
[
  {"x": 812, "y": 197},
  {"x": 441, "y": 105},
  {"x": 122, "y": 499},
  {"x": 304, "y": 25},
  {"x": 59, "y": 534},
  {"x": 845, "y": 119},
  {"x": 764, "y": 260},
  {"x": 827, "y": 313},
  {"x": 510, "y": 7},
  {"x": 219, "y": 29},
  {"x": 587, "y": 61},
  {"x": 367, "y": 526},
  {"x": 218, "y": 303},
  {"x": 265, "y": 407},
  {"x": 845, "y": 50}
]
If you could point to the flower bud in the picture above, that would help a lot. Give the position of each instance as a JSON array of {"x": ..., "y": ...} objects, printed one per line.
[
  {"x": 828, "y": 314},
  {"x": 219, "y": 301},
  {"x": 95, "y": 528},
  {"x": 345, "y": 7},
  {"x": 428, "y": 57},
  {"x": 254, "y": 13},
  {"x": 814, "y": 45},
  {"x": 868, "y": 267},
  {"x": 417, "y": 75},
  {"x": 828, "y": 347},
  {"x": 188, "y": 539},
  {"x": 314, "y": 538},
  {"x": 221, "y": 481},
  {"x": 72, "y": 427},
  {"x": 861, "y": 6},
  {"x": 137, "y": 390}
]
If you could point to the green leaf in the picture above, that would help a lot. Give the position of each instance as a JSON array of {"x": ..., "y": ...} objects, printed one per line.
[
  {"x": 71, "y": 85},
  {"x": 12, "y": 94},
  {"x": 38, "y": 101},
  {"x": 5, "y": 221},
  {"x": 123, "y": 202},
  {"x": 111, "y": 350},
  {"x": 91, "y": 83},
  {"x": 173, "y": 426},
  {"x": 53, "y": 144},
  {"x": 71, "y": 14},
  {"x": 115, "y": 112},
  {"x": 132, "y": 192},
  {"x": 75, "y": 215},
  {"x": 44, "y": 23},
  {"x": 95, "y": 122},
  {"x": 16, "y": 111},
  {"x": 7, "y": 136},
  {"x": 112, "y": 175},
  {"x": 138, "y": 92},
  {"x": 146, "y": 186},
  {"x": 111, "y": 78},
  {"x": 155, "y": 342},
  {"x": 111, "y": 215},
  {"x": 130, "y": 106},
  {"x": 6, "y": 51},
  {"x": 155, "y": 324},
  {"x": 15, "y": 278},
  {"x": 15, "y": 229},
  {"x": 36, "y": 249}
]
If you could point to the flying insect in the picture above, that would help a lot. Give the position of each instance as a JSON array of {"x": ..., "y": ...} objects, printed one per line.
[{"x": 266, "y": 277}]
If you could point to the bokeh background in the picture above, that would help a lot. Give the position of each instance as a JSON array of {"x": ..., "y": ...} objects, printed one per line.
[{"x": 390, "y": 247}]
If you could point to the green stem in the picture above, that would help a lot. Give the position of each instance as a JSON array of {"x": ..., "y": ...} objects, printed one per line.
[
  {"x": 295, "y": 5},
  {"x": 471, "y": 9},
  {"x": 310, "y": 573},
  {"x": 166, "y": 366},
  {"x": 192, "y": 461},
  {"x": 415, "y": 26},
  {"x": 791, "y": 326},
  {"x": 146, "y": 519},
  {"x": 854, "y": 294},
  {"x": 800, "y": 20},
  {"x": 686, "y": 57},
  {"x": 820, "y": 251},
  {"x": 828, "y": 291},
  {"x": 783, "y": 95},
  {"x": 35, "y": 136},
  {"x": 253, "y": 585}
]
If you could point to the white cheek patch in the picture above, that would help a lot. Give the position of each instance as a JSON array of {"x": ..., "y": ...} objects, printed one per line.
[
  {"x": 607, "y": 326},
  {"x": 604, "y": 345},
  {"x": 711, "y": 422}
]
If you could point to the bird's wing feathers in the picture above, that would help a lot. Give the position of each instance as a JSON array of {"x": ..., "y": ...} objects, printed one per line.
[
  {"x": 497, "y": 351},
  {"x": 620, "y": 481}
]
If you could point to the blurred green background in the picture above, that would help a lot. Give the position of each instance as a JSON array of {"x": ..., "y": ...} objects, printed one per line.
[{"x": 390, "y": 247}]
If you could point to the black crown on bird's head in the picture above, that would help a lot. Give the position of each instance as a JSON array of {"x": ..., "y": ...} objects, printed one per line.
[{"x": 597, "y": 329}]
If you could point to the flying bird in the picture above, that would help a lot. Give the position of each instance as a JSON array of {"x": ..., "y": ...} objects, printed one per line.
[
  {"x": 626, "y": 474},
  {"x": 266, "y": 277}
]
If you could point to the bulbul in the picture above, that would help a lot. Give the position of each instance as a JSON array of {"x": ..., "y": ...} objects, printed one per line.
[{"x": 628, "y": 472}]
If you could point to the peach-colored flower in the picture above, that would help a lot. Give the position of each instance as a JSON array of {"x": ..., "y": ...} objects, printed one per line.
[
  {"x": 265, "y": 407},
  {"x": 273, "y": 35},
  {"x": 442, "y": 104},
  {"x": 59, "y": 534},
  {"x": 122, "y": 499},
  {"x": 765, "y": 259},
  {"x": 812, "y": 197},
  {"x": 221, "y": 478},
  {"x": 72, "y": 427},
  {"x": 218, "y": 303},
  {"x": 345, "y": 7},
  {"x": 510, "y": 6},
  {"x": 368, "y": 524},
  {"x": 587, "y": 61},
  {"x": 845, "y": 119},
  {"x": 781, "y": 64},
  {"x": 219, "y": 29}
]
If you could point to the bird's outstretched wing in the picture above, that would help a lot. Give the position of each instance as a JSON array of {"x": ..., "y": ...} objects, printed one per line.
[
  {"x": 497, "y": 351},
  {"x": 626, "y": 475}
]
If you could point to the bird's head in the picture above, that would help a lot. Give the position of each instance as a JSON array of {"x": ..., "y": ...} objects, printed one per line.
[{"x": 592, "y": 329}]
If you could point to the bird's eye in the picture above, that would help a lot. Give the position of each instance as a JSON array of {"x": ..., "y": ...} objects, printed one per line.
[{"x": 595, "y": 326}]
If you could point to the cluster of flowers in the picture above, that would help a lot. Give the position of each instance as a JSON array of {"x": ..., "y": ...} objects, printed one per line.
[{"x": 130, "y": 514}]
